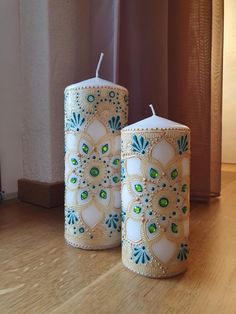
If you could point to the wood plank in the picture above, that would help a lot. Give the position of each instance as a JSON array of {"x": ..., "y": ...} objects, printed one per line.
[
  {"x": 207, "y": 287},
  {"x": 39, "y": 273},
  {"x": 38, "y": 270}
]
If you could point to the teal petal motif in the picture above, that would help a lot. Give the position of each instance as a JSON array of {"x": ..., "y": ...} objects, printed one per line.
[
  {"x": 75, "y": 122},
  {"x": 122, "y": 215},
  {"x": 115, "y": 124},
  {"x": 122, "y": 171},
  {"x": 71, "y": 217},
  {"x": 139, "y": 144},
  {"x": 183, "y": 252},
  {"x": 183, "y": 144},
  {"x": 140, "y": 255},
  {"x": 112, "y": 221}
]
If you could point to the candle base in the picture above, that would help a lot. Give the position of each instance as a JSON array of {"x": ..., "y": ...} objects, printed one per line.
[
  {"x": 92, "y": 247},
  {"x": 154, "y": 273}
]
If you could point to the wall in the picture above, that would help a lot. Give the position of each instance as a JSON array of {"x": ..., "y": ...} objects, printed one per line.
[
  {"x": 42, "y": 52},
  {"x": 10, "y": 97},
  {"x": 51, "y": 48},
  {"x": 35, "y": 70},
  {"x": 229, "y": 84}
]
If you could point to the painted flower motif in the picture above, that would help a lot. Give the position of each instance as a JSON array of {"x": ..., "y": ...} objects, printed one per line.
[
  {"x": 94, "y": 170},
  {"x": 115, "y": 124},
  {"x": 71, "y": 217},
  {"x": 183, "y": 144},
  {"x": 139, "y": 144},
  {"x": 92, "y": 160},
  {"x": 112, "y": 221},
  {"x": 183, "y": 252},
  {"x": 75, "y": 122},
  {"x": 157, "y": 196},
  {"x": 140, "y": 255}
]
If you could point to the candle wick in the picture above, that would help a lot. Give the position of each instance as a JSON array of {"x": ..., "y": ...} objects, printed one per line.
[
  {"x": 153, "y": 111},
  {"x": 99, "y": 63}
]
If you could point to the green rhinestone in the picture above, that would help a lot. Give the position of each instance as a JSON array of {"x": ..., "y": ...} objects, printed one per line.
[
  {"x": 94, "y": 171},
  {"x": 116, "y": 162},
  {"x": 174, "y": 228},
  {"x": 85, "y": 148},
  {"x": 115, "y": 179},
  {"x": 73, "y": 180},
  {"x": 74, "y": 161},
  {"x": 81, "y": 230},
  {"x": 152, "y": 228},
  {"x": 84, "y": 195},
  {"x": 103, "y": 194},
  {"x": 137, "y": 209},
  {"x": 184, "y": 209},
  {"x": 174, "y": 174},
  {"x": 104, "y": 148},
  {"x": 138, "y": 188},
  {"x": 153, "y": 173},
  {"x": 163, "y": 202},
  {"x": 184, "y": 188}
]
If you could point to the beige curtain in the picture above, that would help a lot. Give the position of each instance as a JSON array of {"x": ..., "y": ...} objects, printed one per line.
[
  {"x": 168, "y": 53},
  {"x": 195, "y": 85}
]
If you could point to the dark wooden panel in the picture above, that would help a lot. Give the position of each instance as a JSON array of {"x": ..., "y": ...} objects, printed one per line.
[{"x": 41, "y": 193}]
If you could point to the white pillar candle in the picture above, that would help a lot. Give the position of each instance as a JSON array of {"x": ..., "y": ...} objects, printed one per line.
[
  {"x": 155, "y": 196},
  {"x": 95, "y": 112}
]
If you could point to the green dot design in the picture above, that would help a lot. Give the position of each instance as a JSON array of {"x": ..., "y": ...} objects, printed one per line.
[
  {"x": 115, "y": 179},
  {"x": 84, "y": 195},
  {"x": 85, "y": 148},
  {"x": 184, "y": 209},
  {"x": 73, "y": 180},
  {"x": 184, "y": 188},
  {"x": 103, "y": 194},
  {"x": 174, "y": 174},
  {"x": 137, "y": 209},
  {"x": 105, "y": 148},
  {"x": 152, "y": 228},
  {"x": 174, "y": 228},
  {"x": 138, "y": 188},
  {"x": 74, "y": 161},
  {"x": 94, "y": 171},
  {"x": 116, "y": 162},
  {"x": 153, "y": 173},
  {"x": 163, "y": 202}
]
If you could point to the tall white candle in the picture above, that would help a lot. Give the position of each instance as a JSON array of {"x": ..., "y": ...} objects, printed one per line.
[
  {"x": 95, "y": 112},
  {"x": 155, "y": 196}
]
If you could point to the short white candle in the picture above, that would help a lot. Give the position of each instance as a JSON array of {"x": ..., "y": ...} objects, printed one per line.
[
  {"x": 95, "y": 112},
  {"x": 155, "y": 196}
]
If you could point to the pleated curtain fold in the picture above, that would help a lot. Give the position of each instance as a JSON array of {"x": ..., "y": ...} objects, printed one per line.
[{"x": 168, "y": 53}]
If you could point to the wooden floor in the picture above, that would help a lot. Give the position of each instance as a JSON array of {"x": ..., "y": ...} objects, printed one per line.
[{"x": 40, "y": 274}]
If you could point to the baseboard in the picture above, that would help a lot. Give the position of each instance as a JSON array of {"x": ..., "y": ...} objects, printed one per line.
[
  {"x": 41, "y": 193},
  {"x": 9, "y": 196}
]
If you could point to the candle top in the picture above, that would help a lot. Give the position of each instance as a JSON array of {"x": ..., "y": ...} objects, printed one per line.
[
  {"x": 155, "y": 122},
  {"x": 96, "y": 81}
]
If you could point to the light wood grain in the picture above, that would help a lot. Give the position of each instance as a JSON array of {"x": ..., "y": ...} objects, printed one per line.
[{"x": 40, "y": 274}]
